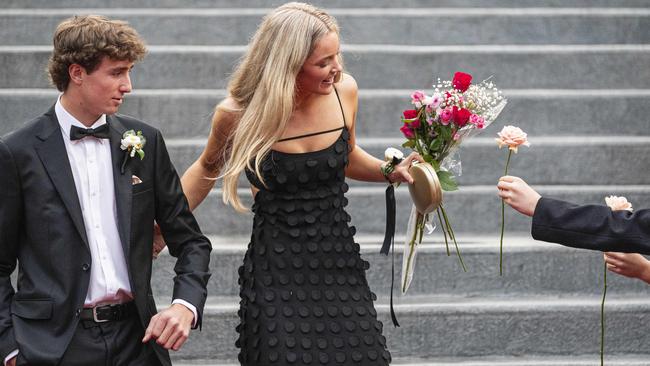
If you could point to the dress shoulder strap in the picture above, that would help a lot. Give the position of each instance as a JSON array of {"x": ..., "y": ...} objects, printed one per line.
[{"x": 321, "y": 132}]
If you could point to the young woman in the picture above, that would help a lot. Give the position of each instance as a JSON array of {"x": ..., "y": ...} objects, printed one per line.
[{"x": 288, "y": 124}]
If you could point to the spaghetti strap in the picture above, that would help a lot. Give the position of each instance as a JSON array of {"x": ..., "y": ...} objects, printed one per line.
[
  {"x": 321, "y": 132},
  {"x": 345, "y": 125}
]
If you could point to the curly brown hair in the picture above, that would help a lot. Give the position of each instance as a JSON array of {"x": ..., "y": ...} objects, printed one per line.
[{"x": 86, "y": 40}]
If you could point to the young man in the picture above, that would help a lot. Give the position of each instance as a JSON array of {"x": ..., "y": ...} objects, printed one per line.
[{"x": 78, "y": 200}]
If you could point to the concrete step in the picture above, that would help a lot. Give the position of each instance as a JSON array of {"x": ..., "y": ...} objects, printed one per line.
[
  {"x": 618, "y": 360},
  {"x": 550, "y": 160},
  {"x": 531, "y": 268},
  {"x": 461, "y": 327},
  {"x": 605, "y": 112},
  {"x": 473, "y": 209},
  {"x": 381, "y": 66},
  {"x": 359, "y": 26},
  {"x": 329, "y": 4}
]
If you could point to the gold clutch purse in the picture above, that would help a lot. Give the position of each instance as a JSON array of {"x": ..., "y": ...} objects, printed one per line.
[{"x": 425, "y": 191}]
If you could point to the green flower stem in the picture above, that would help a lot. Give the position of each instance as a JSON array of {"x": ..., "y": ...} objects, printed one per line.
[
  {"x": 503, "y": 220},
  {"x": 453, "y": 237},
  {"x": 602, "y": 317},
  {"x": 412, "y": 249},
  {"x": 444, "y": 231}
]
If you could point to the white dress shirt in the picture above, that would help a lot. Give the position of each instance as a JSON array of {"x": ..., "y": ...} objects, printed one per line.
[{"x": 91, "y": 163}]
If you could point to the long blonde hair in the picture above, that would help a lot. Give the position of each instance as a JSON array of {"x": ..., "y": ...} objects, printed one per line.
[{"x": 264, "y": 86}]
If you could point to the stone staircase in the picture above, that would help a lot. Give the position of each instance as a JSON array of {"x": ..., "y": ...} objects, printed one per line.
[{"x": 577, "y": 79}]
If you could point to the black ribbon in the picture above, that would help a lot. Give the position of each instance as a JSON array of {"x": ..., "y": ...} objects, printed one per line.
[
  {"x": 390, "y": 219},
  {"x": 389, "y": 240},
  {"x": 77, "y": 133}
]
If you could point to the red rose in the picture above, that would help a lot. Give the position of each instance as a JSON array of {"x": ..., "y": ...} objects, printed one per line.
[
  {"x": 407, "y": 131},
  {"x": 410, "y": 113},
  {"x": 461, "y": 116},
  {"x": 461, "y": 81}
]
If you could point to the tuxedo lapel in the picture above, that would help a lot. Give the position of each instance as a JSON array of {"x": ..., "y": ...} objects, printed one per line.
[
  {"x": 54, "y": 157},
  {"x": 122, "y": 181}
]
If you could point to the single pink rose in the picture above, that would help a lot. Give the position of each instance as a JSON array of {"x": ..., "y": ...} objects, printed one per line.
[
  {"x": 477, "y": 121},
  {"x": 513, "y": 137},
  {"x": 461, "y": 116},
  {"x": 407, "y": 131},
  {"x": 446, "y": 116},
  {"x": 618, "y": 203}
]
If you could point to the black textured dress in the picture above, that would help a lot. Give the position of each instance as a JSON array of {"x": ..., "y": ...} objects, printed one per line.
[{"x": 304, "y": 295}]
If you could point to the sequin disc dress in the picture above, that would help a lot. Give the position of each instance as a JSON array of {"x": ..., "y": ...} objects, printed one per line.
[{"x": 304, "y": 295}]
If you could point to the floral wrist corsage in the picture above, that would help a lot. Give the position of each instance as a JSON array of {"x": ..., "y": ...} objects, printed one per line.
[{"x": 392, "y": 157}]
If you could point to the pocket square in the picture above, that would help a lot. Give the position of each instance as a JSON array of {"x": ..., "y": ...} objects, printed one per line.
[{"x": 135, "y": 180}]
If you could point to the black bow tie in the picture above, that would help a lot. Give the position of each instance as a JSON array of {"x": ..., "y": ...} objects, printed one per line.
[{"x": 77, "y": 133}]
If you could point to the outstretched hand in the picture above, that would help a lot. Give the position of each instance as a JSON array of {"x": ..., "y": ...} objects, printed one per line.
[
  {"x": 401, "y": 171},
  {"x": 629, "y": 265},
  {"x": 518, "y": 194}
]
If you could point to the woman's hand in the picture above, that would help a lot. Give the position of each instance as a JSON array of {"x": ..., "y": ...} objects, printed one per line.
[
  {"x": 401, "y": 171},
  {"x": 629, "y": 265},
  {"x": 518, "y": 194},
  {"x": 158, "y": 241}
]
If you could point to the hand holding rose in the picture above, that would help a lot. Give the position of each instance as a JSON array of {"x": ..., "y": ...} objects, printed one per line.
[{"x": 518, "y": 194}]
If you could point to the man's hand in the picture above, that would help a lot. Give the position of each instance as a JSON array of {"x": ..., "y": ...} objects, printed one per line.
[
  {"x": 12, "y": 362},
  {"x": 158, "y": 241},
  {"x": 629, "y": 265},
  {"x": 170, "y": 327},
  {"x": 518, "y": 194}
]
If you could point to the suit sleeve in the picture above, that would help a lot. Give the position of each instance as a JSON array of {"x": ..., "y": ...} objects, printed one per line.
[
  {"x": 594, "y": 227},
  {"x": 181, "y": 232},
  {"x": 11, "y": 212}
]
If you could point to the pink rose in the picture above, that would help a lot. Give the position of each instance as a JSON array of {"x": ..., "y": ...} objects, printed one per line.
[
  {"x": 407, "y": 131},
  {"x": 445, "y": 116},
  {"x": 461, "y": 116},
  {"x": 461, "y": 81},
  {"x": 513, "y": 137},
  {"x": 414, "y": 124},
  {"x": 477, "y": 121},
  {"x": 618, "y": 203}
]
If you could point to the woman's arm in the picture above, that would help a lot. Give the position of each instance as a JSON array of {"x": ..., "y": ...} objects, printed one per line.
[
  {"x": 200, "y": 177},
  {"x": 363, "y": 166}
]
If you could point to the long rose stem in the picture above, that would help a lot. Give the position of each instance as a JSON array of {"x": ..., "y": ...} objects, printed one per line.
[
  {"x": 444, "y": 231},
  {"x": 503, "y": 221},
  {"x": 453, "y": 237},
  {"x": 412, "y": 249},
  {"x": 602, "y": 317}
]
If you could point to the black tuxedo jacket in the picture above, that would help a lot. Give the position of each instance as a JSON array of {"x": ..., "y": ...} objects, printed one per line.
[
  {"x": 594, "y": 227},
  {"x": 41, "y": 226}
]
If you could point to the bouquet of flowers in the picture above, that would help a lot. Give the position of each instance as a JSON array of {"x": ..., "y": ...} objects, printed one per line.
[{"x": 440, "y": 122}]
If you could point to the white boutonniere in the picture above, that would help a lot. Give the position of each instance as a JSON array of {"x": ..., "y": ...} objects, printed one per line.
[{"x": 133, "y": 143}]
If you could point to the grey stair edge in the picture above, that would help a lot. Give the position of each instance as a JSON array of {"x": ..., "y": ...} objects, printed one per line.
[
  {"x": 387, "y": 48},
  {"x": 360, "y": 12},
  {"x": 613, "y": 359},
  {"x": 371, "y": 93},
  {"x": 376, "y": 189},
  {"x": 418, "y": 304},
  {"x": 371, "y": 243},
  {"x": 621, "y": 141}
]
